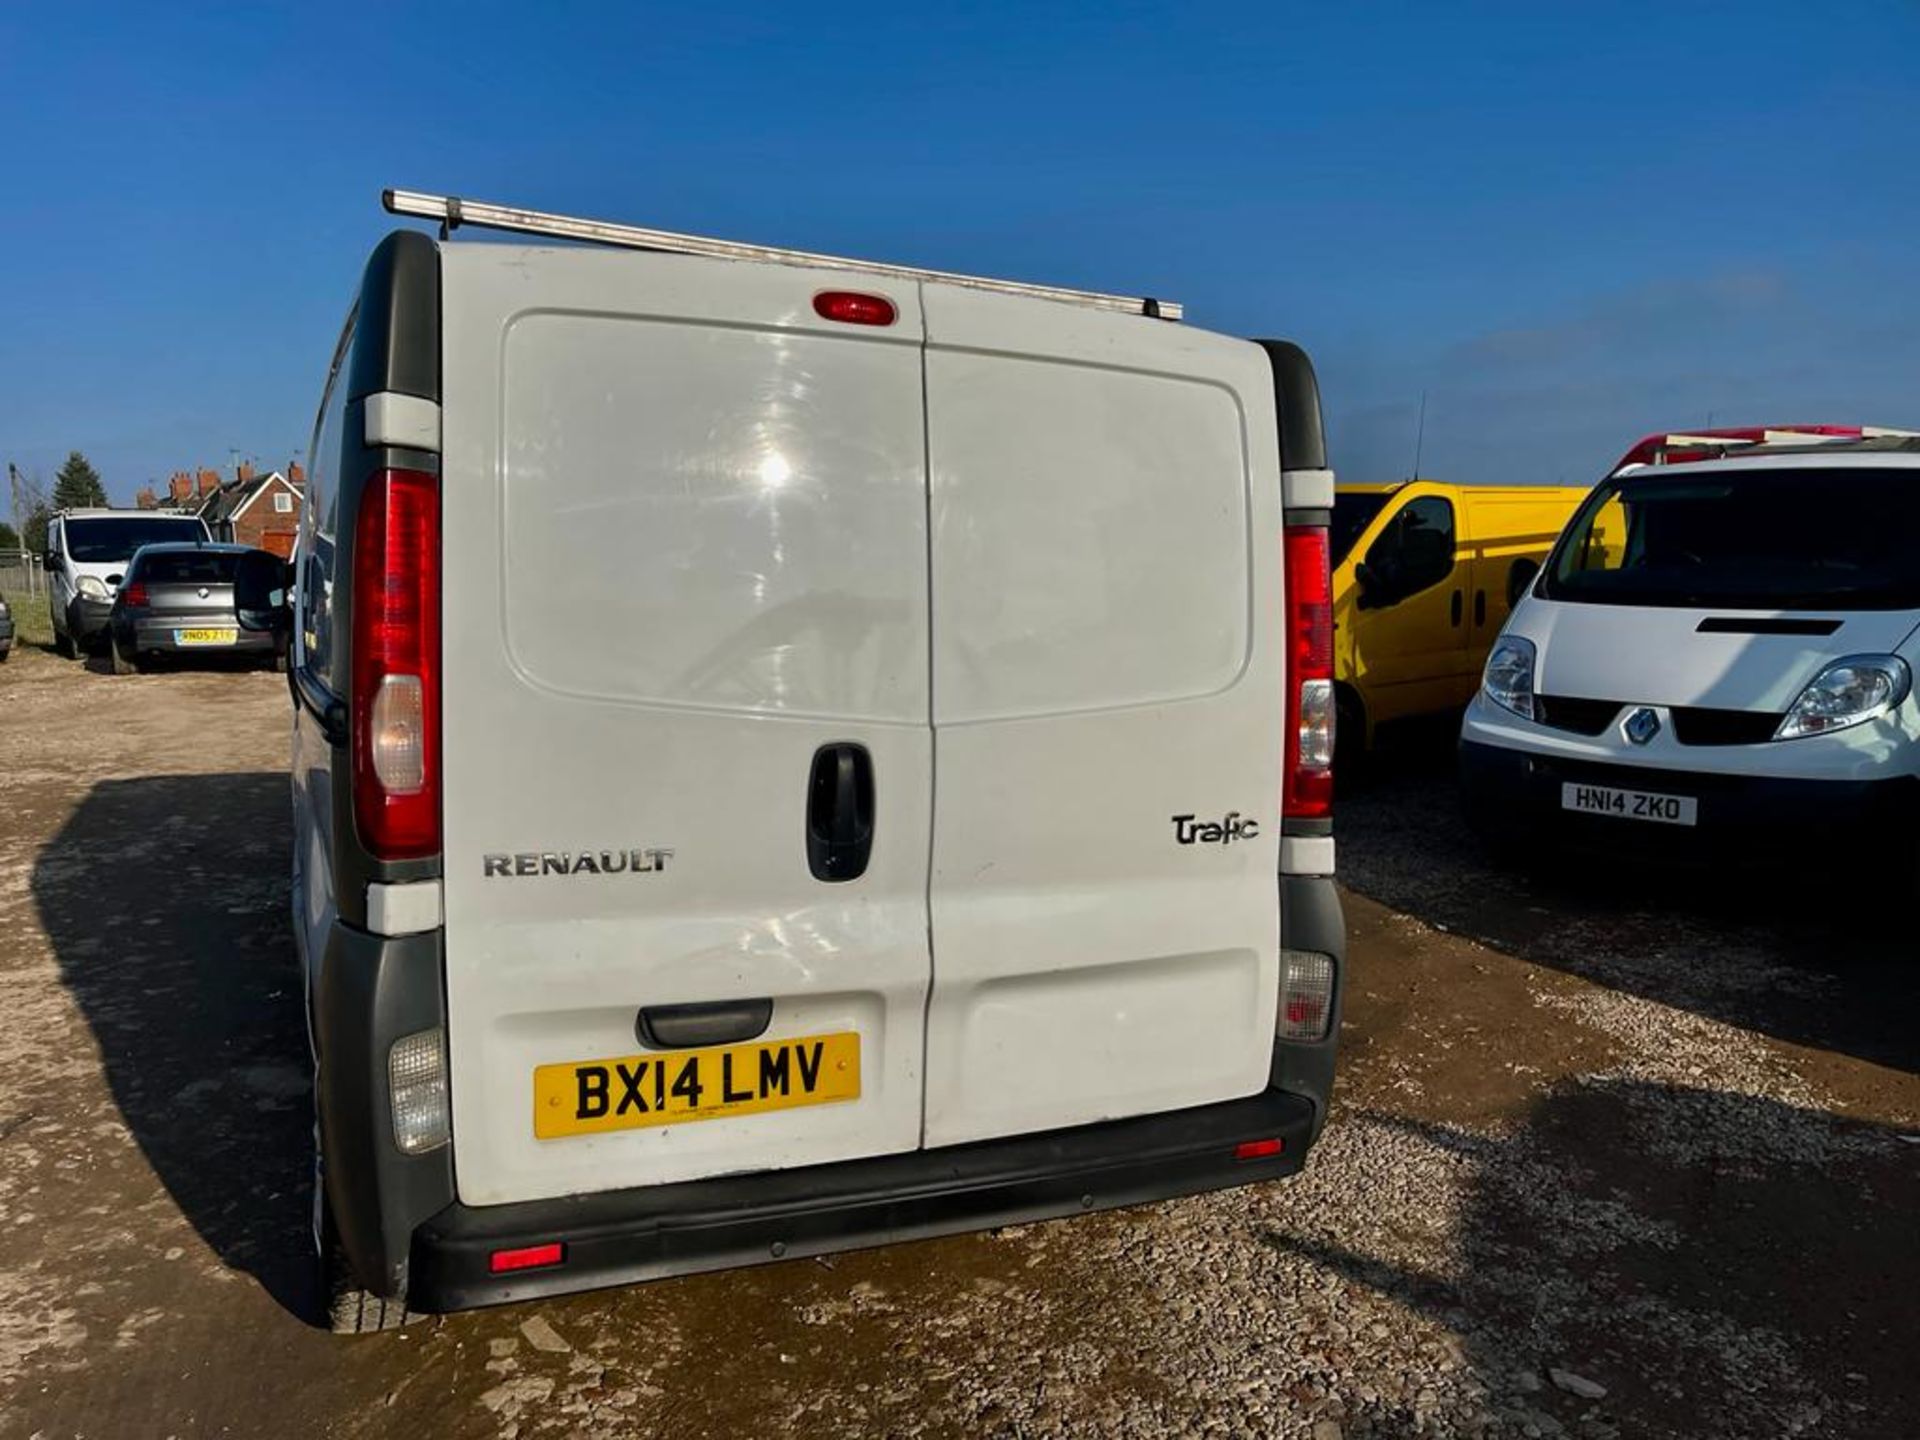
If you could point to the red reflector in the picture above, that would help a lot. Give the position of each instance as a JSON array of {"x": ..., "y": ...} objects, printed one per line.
[
  {"x": 529, "y": 1257},
  {"x": 1258, "y": 1149},
  {"x": 850, "y": 307}
]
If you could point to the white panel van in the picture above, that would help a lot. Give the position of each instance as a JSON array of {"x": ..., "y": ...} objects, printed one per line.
[
  {"x": 1716, "y": 660},
  {"x": 793, "y": 755}
]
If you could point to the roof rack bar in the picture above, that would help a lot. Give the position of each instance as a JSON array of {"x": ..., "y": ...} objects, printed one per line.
[{"x": 452, "y": 211}]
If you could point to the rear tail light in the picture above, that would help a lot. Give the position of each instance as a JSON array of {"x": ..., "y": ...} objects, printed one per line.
[
  {"x": 396, "y": 665},
  {"x": 1306, "y": 995},
  {"x": 417, "y": 1088},
  {"x": 134, "y": 596},
  {"x": 1309, "y": 723}
]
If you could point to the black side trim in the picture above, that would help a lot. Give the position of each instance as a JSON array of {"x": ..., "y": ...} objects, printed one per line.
[
  {"x": 1311, "y": 918},
  {"x": 396, "y": 340},
  {"x": 374, "y": 989},
  {"x": 617, "y": 1237},
  {"x": 1735, "y": 625},
  {"x": 1296, "y": 403},
  {"x": 724, "y": 1022}
]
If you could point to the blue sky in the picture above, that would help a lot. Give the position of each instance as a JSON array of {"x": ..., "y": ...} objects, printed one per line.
[{"x": 1568, "y": 226}]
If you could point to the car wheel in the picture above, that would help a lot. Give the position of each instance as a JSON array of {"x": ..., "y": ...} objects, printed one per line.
[
  {"x": 279, "y": 662},
  {"x": 5, "y": 650},
  {"x": 123, "y": 663}
]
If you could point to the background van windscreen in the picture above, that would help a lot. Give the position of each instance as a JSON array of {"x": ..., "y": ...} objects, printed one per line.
[
  {"x": 1798, "y": 539},
  {"x": 1351, "y": 515},
  {"x": 113, "y": 537},
  {"x": 205, "y": 567}
]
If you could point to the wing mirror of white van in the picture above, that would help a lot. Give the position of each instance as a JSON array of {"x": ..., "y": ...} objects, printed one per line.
[{"x": 261, "y": 585}]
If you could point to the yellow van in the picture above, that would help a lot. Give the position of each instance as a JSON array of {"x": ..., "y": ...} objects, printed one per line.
[{"x": 1424, "y": 575}]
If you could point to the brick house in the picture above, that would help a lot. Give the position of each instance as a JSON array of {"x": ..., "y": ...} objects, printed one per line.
[{"x": 259, "y": 509}]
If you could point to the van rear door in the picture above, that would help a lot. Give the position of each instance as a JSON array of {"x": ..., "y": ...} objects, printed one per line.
[
  {"x": 686, "y": 673},
  {"x": 1107, "y": 662}
]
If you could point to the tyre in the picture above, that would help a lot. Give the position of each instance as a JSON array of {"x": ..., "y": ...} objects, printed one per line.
[
  {"x": 278, "y": 664},
  {"x": 123, "y": 663},
  {"x": 5, "y": 650},
  {"x": 62, "y": 641},
  {"x": 350, "y": 1308}
]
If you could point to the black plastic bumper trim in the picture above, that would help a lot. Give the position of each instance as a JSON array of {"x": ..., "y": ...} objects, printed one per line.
[{"x": 618, "y": 1237}]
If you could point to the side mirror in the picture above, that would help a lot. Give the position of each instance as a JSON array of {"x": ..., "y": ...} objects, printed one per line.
[
  {"x": 49, "y": 561},
  {"x": 262, "y": 590}
]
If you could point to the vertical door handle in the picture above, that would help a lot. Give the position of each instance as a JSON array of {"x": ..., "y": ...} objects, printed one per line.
[
  {"x": 1457, "y": 606},
  {"x": 1479, "y": 607},
  {"x": 840, "y": 812}
]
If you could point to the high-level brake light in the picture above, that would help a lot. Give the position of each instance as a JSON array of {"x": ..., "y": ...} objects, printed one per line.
[
  {"x": 396, "y": 665},
  {"x": 1309, "y": 723}
]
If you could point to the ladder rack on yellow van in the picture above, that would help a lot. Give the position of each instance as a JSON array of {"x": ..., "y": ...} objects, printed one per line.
[{"x": 452, "y": 212}]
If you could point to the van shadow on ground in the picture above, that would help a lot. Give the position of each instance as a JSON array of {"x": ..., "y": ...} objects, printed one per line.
[
  {"x": 1818, "y": 951},
  {"x": 165, "y": 902},
  {"x": 1722, "y": 1264}
]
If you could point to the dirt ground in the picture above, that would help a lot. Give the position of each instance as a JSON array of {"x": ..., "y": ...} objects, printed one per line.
[{"x": 1615, "y": 1154}]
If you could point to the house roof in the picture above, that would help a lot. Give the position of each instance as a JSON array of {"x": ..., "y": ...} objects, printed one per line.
[{"x": 232, "y": 496}]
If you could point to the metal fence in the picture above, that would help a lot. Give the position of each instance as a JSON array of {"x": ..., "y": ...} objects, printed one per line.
[{"x": 21, "y": 573}]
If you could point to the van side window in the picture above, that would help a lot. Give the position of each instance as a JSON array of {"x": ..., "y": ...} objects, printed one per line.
[
  {"x": 1414, "y": 552},
  {"x": 314, "y": 587}
]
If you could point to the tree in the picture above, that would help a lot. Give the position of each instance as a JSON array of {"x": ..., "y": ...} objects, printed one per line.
[
  {"x": 9, "y": 537},
  {"x": 77, "y": 484}
]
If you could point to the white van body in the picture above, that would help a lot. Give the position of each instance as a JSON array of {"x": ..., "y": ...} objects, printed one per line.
[
  {"x": 87, "y": 553},
  {"x": 1003, "y": 575},
  {"x": 1655, "y": 716}
]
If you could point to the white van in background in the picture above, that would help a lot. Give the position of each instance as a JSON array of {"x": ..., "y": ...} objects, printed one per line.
[
  {"x": 794, "y": 754},
  {"x": 87, "y": 554},
  {"x": 1717, "y": 657}
]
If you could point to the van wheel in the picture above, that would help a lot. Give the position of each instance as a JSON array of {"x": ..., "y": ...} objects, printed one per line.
[
  {"x": 351, "y": 1309},
  {"x": 62, "y": 641}
]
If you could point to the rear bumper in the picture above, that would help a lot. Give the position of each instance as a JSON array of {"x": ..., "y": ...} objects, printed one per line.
[
  {"x": 404, "y": 1229},
  {"x": 618, "y": 1237},
  {"x": 155, "y": 635},
  {"x": 1740, "y": 816}
]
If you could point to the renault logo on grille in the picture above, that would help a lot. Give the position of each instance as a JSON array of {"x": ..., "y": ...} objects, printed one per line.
[{"x": 1642, "y": 725}]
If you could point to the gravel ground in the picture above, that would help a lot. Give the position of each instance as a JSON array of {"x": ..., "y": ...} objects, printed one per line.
[{"x": 1614, "y": 1155}]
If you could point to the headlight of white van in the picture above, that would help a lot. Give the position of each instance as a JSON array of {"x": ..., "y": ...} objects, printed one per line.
[
  {"x": 91, "y": 586},
  {"x": 1509, "y": 675},
  {"x": 1848, "y": 692}
]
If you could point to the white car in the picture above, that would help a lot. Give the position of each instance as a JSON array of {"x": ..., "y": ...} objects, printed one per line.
[
  {"x": 793, "y": 754},
  {"x": 1718, "y": 657}
]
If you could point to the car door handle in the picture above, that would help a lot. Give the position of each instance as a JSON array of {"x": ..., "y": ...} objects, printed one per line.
[
  {"x": 1457, "y": 606},
  {"x": 840, "y": 812},
  {"x": 1479, "y": 607},
  {"x": 687, "y": 1027}
]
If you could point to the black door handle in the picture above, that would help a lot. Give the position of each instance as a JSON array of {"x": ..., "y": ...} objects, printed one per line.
[
  {"x": 1456, "y": 607},
  {"x": 840, "y": 812},
  {"x": 1479, "y": 607}
]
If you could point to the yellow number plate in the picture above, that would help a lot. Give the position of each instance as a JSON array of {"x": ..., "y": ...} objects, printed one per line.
[
  {"x": 205, "y": 637},
  {"x": 587, "y": 1097}
]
